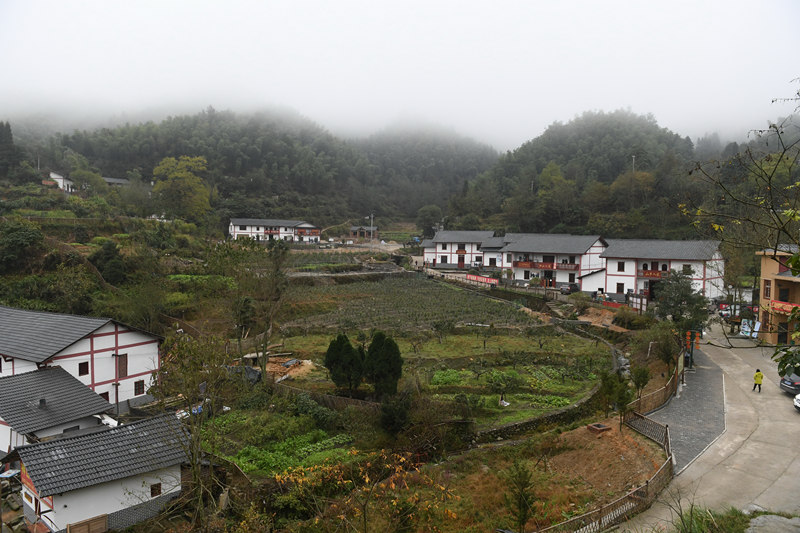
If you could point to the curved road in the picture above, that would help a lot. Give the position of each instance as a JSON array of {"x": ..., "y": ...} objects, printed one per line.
[{"x": 755, "y": 462}]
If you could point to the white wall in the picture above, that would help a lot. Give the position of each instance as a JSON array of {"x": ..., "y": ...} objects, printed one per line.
[
  {"x": 106, "y": 498},
  {"x": 97, "y": 350},
  {"x": 16, "y": 366}
]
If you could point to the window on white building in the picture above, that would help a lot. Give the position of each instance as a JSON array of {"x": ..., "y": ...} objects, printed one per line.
[
  {"x": 443, "y": 259},
  {"x": 83, "y": 368},
  {"x": 508, "y": 258},
  {"x": 620, "y": 266},
  {"x": 242, "y": 228},
  {"x": 462, "y": 246},
  {"x": 620, "y": 287},
  {"x": 444, "y": 246},
  {"x": 687, "y": 269}
]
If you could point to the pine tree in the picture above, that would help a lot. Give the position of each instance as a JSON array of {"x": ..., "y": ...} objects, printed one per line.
[
  {"x": 345, "y": 363},
  {"x": 383, "y": 365}
]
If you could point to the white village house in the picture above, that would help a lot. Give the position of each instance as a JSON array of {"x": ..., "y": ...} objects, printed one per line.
[
  {"x": 553, "y": 259},
  {"x": 114, "y": 360},
  {"x": 46, "y": 404},
  {"x": 595, "y": 264},
  {"x": 264, "y": 229},
  {"x": 637, "y": 266},
  {"x": 106, "y": 480},
  {"x": 456, "y": 249}
]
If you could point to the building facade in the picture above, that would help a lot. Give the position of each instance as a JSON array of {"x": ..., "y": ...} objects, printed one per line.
[
  {"x": 114, "y": 360},
  {"x": 264, "y": 229},
  {"x": 638, "y": 265},
  {"x": 456, "y": 249},
  {"x": 779, "y": 295}
]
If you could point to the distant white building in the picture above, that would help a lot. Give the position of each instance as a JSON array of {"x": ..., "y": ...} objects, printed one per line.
[
  {"x": 65, "y": 184},
  {"x": 264, "y": 229}
]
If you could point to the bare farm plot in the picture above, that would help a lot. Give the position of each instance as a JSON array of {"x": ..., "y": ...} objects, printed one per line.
[{"x": 397, "y": 305}]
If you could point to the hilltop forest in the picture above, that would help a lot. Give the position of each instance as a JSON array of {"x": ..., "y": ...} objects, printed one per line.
[{"x": 603, "y": 173}]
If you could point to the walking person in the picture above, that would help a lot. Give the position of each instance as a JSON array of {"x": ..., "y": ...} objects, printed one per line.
[{"x": 757, "y": 379}]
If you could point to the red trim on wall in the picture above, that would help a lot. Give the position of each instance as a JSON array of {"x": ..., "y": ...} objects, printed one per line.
[
  {"x": 114, "y": 349},
  {"x": 130, "y": 376}
]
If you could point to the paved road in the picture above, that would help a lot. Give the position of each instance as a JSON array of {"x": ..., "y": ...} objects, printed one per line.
[
  {"x": 696, "y": 417},
  {"x": 755, "y": 463}
]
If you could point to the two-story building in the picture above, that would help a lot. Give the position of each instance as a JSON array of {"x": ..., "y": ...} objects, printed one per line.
[
  {"x": 551, "y": 260},
  {"x": 637, "y": 265},
  {"x": 114, "y": 360},
  {"x": 778, "y": 297},
  {"x": 265, "y": 229},
  {"x": 456, "y": 249}
]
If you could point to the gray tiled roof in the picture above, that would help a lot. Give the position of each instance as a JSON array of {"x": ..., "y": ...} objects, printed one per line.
[
  {"x": 557, "y": 243},
  {"x": 36, "y": 336},
  {"x": 493, "y": 243},
  {"x": 367, "y": 228},
  {"x": 266, "y": 222},
  {"x": 66, "y": 399},
  {"x": 660, "y": 249},
  {"x": 427, "y": 243},
  {"x": 462, "y": 236},
  {"x": 73, "y": 463}
]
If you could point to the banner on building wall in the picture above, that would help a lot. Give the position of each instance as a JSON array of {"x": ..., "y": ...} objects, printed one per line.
[
  {"x": 756, "y": 328},
  {"x": 482, "y": 279}
]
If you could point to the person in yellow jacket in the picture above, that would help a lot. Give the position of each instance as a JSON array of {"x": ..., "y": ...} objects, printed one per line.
[{"x": 757, "y": 379}]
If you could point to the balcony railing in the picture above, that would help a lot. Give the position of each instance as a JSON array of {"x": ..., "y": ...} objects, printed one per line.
[{"x": 538, "y": 265}]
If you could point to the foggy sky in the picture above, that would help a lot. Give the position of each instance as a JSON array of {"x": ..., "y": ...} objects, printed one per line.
[{"x": 499, "y": 72}]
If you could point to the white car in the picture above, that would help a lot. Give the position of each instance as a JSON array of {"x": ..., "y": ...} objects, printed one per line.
[{"x": 797, "y": 402}]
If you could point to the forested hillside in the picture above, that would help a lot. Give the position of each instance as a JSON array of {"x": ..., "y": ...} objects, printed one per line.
[
  {"x": 613, "y": 174},
  {"x": 607, "y": 173},
  {"x": 280, "y": 165}
]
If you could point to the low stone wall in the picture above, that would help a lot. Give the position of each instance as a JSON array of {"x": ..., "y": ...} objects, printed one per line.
[{"x": 580, "y": 409}]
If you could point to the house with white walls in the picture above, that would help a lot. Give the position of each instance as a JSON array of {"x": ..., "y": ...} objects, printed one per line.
[
  {"x": 106, "y": 480},
  {"x": 638, "y": 265},
  {"x": 46, "y": 404},
  {"x": 65, "y": 184},
  {"x": 456, "y": 249},
  {"x": 111, "y": 358},
  {"x": 266, "y": 229},
  {"x": 552, "y": 260}
]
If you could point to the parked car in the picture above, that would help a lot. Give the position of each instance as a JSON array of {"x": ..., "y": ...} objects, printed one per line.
[
  {"x": 569, "y": 288},
  {"x": 797, "y": 402},
  {"x": 791, "y": 384}
]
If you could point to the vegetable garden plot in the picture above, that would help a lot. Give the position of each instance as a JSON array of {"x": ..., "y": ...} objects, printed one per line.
[{"x": 401, "y": 304}]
